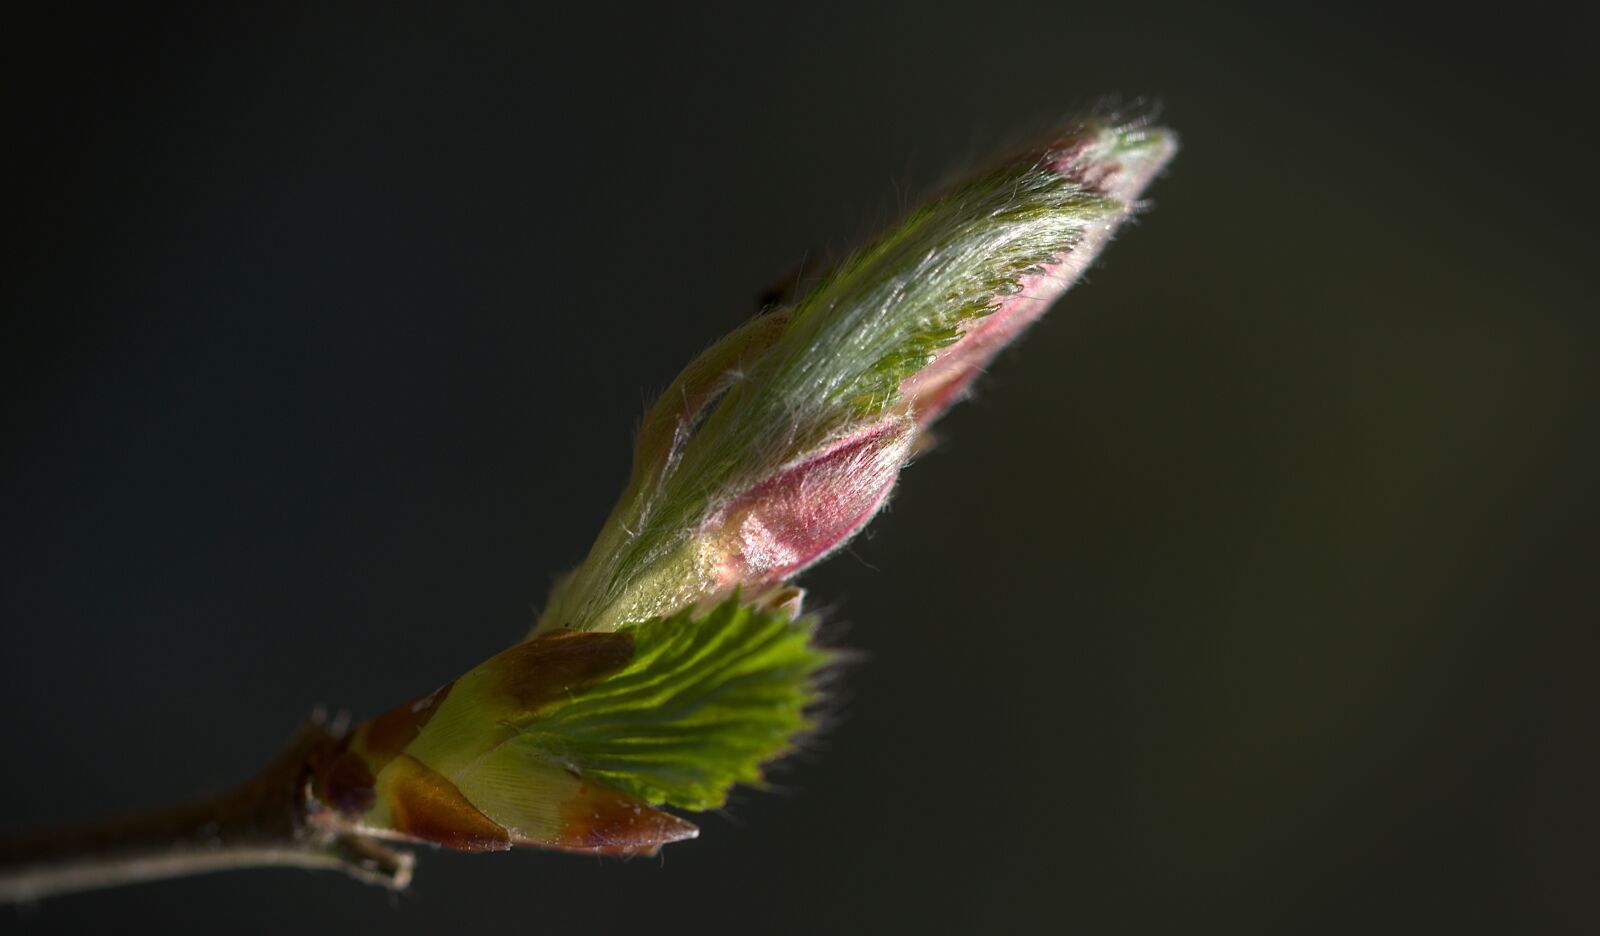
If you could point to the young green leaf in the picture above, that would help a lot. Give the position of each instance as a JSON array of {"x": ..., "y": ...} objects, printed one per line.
[
  {"x": 708, "y": 698},
  {"x": 570, "y": 739}
]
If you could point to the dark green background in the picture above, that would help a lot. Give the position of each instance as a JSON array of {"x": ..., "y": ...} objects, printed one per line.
[{"x": 1254, "y": 593}]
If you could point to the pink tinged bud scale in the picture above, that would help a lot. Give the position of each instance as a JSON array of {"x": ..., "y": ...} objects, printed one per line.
[{"x": 810, "y": 507}]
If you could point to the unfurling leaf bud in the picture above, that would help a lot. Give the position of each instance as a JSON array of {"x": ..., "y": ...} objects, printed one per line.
[{"x": 647, "y": 682}]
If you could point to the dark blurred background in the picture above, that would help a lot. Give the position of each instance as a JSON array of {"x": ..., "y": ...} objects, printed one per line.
[{"x": 1254, "y": 592}]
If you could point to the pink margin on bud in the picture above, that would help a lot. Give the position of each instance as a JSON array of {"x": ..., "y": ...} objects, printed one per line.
[
  {"x": 935, "y": 388},
  {"x": 808, "y": 508}
]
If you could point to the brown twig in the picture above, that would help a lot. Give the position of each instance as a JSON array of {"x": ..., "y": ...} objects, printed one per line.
[{"x": 262, "y": 823}]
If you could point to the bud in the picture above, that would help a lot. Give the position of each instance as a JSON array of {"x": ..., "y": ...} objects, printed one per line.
[{"x": 779, "y": 443}]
